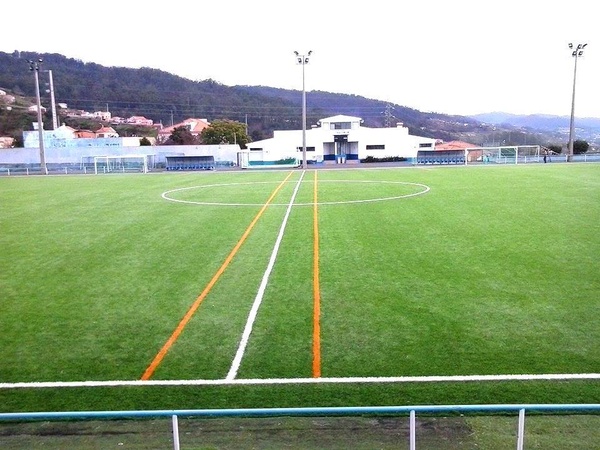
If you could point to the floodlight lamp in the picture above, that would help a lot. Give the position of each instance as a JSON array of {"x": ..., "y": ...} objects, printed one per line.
[
  {"x": 299, "y": 60},
  {"x": 570, "y": 45},
  {"x": 583, "y": 46},
  {"x": 296, "y": 53},
  {"x": 305, "y": 60},
  {"x": 580, "y": 53},
  {"x": 309, "y": 52},
  {"x": 574, "y": 53}
]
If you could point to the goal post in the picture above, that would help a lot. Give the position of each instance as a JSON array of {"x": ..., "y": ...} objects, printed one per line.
[
  {"x": 121, "y": 163},
  {"x": 506, "y": 154}
]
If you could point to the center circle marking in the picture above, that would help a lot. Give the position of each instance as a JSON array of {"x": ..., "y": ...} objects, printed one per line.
[{"x": 423, "y": 189}]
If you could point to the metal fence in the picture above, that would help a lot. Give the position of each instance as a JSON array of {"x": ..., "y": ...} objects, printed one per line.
[{"x": 519, "y": 410}]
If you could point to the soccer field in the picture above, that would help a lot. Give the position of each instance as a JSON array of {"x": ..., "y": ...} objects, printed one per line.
[{"x": 441, "y": 285}]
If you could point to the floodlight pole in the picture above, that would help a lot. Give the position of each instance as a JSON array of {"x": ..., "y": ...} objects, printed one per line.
[
  {"x": 576, "y": 54},
  {"x": 303, "y": 60},
  {"x": 34, "y": 66},
  {"x": 52, "y": 101}
]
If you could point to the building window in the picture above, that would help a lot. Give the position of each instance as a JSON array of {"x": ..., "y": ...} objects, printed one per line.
[
  {"x": 376, "y": 147},
  {"x": 425, "y": 145},
  {"x": 341, "y": 125},
  {"x": 308, "y": 149}
]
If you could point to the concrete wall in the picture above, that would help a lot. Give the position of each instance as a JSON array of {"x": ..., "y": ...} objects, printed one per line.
[{"x": 74, "y": 155}]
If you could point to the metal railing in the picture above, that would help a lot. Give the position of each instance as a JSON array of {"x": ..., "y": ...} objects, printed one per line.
[{"x": 412, "y": 411}]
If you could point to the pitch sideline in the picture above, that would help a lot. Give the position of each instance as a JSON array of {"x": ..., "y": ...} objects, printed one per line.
[{"x": 286, "y": 381}]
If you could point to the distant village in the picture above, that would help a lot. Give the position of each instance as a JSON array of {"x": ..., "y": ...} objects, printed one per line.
[{"x": 63, "y": 132}]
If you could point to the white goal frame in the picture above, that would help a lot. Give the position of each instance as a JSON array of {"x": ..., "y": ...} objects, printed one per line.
[
  {"x": 132, "y": 157},
  {"x": 506, "y": 154}
]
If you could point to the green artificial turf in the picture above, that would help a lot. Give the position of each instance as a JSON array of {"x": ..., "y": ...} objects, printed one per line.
[{"x": 493, "y": 270}]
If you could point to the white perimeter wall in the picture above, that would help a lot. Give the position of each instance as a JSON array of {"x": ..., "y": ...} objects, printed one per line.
[{"x": 73, "y": 155}]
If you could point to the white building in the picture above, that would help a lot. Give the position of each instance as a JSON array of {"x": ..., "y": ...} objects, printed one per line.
[
  {"x": 340, "y": 139},
  {"x": 102, "y": 115}
]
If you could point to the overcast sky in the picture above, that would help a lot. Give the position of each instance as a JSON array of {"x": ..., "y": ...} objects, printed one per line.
[{"x": 454, "y": 57}]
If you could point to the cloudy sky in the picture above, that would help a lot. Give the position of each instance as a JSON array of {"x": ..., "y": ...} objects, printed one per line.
[{"x": 455, "y": 57}]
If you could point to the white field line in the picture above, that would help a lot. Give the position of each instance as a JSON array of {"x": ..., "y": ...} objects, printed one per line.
[
  {"x": 291, "y": 381},
  {"x": 166, "y": 195},
  {"x": 237, "y": 360}
]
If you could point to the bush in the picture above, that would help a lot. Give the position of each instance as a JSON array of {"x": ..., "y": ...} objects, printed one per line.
[{"x": 372, "y": 159}]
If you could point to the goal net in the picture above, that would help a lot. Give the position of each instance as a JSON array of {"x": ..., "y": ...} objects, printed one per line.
[
  {"x": 516, "y": 154},
  {"x": 121, "y": 163}
]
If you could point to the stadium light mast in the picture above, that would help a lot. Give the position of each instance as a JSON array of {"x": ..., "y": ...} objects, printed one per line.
[
  {"x": 577, "y": 52},
  {"x": 52, "y": 100},
  {"x": 303, "y": 60},
  {"x": 34, "y": 66}
]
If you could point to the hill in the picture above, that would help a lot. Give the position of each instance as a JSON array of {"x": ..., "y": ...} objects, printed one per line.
[
  {"x": 166, "y": 98},
  {"x": 588, "y": 128}
]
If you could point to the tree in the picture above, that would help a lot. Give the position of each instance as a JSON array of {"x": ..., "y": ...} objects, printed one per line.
[
  {"x": 580, "y": 147},
  {"x": 555, "y": 148},
  {"x": 144, "y": 142},
  {"x": 181, "y": 136},
  {"x": 225, "y": 132}
]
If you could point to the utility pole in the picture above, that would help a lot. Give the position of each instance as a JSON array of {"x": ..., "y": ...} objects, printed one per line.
[
  {"x": 34, "y": 66},
  {"x": 388, "y": 115}
]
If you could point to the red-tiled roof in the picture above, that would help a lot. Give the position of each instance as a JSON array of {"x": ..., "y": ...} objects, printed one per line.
[{"x": 454, "y": 145}]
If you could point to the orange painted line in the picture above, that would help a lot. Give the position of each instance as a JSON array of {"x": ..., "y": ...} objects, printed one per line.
[
  {"x": 175, "y": 335},
  {"x": 316, "y": 366}
]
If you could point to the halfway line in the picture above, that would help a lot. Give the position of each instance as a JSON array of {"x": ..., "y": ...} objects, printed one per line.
[
  {"x": 237, "y": 360},
  {"x": 167, "y": 346},
  {"x": 316, "y": 366}
]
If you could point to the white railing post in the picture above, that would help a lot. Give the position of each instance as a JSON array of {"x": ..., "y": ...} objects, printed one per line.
[
  {"x": 175, "y": 433},
  {"x": 521, "y": 430},
  {"x": 412, "y": 436}
]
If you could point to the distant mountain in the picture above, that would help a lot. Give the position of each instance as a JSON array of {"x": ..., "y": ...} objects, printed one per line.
[
  {"x": 587, "y": 128},
  {"x": 536, "y": 121},
  {"x": 167, "y": 98}
]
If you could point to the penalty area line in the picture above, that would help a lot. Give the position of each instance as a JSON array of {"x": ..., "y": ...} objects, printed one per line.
[{"x": 290, "y": 381}]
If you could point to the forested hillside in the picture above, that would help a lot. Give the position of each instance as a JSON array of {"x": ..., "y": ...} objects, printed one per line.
[{"x": 166, "y": 98}]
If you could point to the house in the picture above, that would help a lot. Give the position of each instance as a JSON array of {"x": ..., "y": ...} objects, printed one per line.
[
  {"x": 194, "y": 125},
  {"x": 116, "y": 120},
  {"x": 84, "y": 134},
  {"x": 101, "y": 115},
  {"x": 106, "y": 132},
  {"x": 33, "y": 108},
  {"x": 6, "y": 142},
  {"x": 62, "y": 132},
  {"x": 339, "y": 140},
  {"x": 139, "y": 120},
  {"x": 6, "y": 99}
]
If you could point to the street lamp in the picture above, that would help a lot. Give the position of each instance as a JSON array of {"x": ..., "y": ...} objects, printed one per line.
[
  {"x": 577, "y": 52},
  {"x": 303, "y": 60},
  {"x": 34, "y": 66}
]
